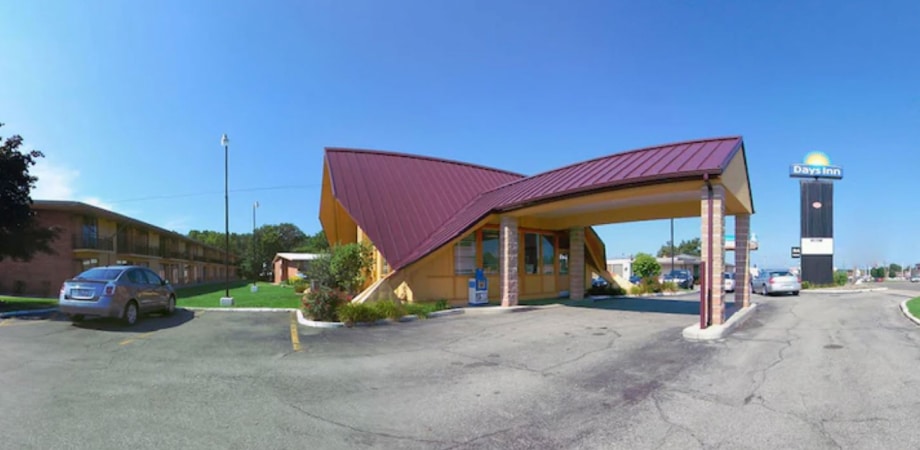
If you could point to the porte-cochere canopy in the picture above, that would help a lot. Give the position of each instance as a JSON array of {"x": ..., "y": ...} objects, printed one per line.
[{"x": 414, "y": 208}]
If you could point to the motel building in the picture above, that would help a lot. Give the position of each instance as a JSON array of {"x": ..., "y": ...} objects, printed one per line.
[
  {"x": 433, "y": 223},
  {"x": 88, "y": 236}
]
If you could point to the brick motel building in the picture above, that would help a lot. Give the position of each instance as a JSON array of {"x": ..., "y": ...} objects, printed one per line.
[{"x": 89, "y": 237}]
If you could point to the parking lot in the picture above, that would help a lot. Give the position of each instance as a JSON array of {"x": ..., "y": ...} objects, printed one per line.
[{"x": 815, "y": 371}]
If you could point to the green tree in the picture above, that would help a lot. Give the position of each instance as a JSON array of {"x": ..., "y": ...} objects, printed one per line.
[
  {"x": 691, "y": 247},
  {"x": 21, "y": 236},
  {"x": 645, "y": 266},
  {"x": 894, "y": 270},
  {"x": 316, "y": 243},
  {"x": 877, "y": 272},
  {"x": 269, "y": 241}
]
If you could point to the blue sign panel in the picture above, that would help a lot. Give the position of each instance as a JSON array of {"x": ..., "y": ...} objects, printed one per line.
[{"x": 809, "y": 171}]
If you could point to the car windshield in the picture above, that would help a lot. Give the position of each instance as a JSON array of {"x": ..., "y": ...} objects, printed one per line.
[
  {"x": 729, "y": 276},
  {"x": 99, "y": 273}
]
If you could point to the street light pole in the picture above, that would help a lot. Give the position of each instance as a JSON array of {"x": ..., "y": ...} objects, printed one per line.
[
  {"x": 225, "y": 142},
  {"x": 257, "y": 269}
]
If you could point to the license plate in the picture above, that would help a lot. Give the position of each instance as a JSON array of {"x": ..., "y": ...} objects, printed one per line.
[{"x": 81, "y": 293}]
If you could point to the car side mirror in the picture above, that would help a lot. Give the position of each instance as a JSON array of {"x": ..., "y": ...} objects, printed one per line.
[{"x": 164, "y": 282}]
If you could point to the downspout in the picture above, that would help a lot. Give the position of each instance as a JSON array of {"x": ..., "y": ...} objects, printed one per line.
[{"x": 707, "y": 318}]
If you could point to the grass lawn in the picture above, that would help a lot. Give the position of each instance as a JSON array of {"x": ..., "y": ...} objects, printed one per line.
[
  {"x": 8, "y": 303},
  {"x": 269, "y": 296},
  {"x": 913, "y": 306}
]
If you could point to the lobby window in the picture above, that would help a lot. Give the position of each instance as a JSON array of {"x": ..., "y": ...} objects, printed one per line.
[
  {"x": 531, "y": 253},
  {"x": 564, "y": 253},
  {"x": 547, "y": 244},
  {"x": 465, "y": 255},
  {"x": 490, "y": 259}
]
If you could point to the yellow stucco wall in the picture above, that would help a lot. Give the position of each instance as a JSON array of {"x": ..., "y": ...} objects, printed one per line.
[
  {"x": 738, "y": 200},
  {"x": 433, "y": 278}
]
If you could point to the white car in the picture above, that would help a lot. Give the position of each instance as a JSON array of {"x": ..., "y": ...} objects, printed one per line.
[
  {"x": 915, "y": 279},
  {"x": 728, "y": 281}
]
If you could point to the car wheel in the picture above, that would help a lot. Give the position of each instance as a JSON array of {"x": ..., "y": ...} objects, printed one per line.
[
  {"x": 131, "y": 313},
  {"x": 77, "y": 318},
  {"x": 763, "y": 290},
  {"x": 795, "y": 293},
  {"x": 170, "y": 306}
]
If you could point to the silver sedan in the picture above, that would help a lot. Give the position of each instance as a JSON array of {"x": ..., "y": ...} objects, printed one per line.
[
  {"x": 777, "y": 281},
  {"x": 123, "y": 292}
]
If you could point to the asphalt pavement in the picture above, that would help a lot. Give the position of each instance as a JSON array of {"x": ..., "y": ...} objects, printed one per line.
[{"x": 814, "y": 371}]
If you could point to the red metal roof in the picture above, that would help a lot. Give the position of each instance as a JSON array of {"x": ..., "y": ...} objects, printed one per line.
[
  {"x": 399, "y": 200},
  {"x": 409, "y": 206}
]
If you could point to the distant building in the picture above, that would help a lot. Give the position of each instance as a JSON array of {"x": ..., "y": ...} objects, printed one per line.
[
  {"x": 287, "y": 265},
  {"x": 89, "y": 237}
]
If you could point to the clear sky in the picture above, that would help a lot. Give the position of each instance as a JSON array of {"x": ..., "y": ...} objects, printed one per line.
[{"x": 128, "y": 100}]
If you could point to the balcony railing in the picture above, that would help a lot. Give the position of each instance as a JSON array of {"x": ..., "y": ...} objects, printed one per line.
[{"x": 81, "y": 242}]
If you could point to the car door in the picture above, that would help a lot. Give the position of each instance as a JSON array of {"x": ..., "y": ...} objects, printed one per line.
[
  {"x": 159, "y": 293},
  {"x": 140, "y": 288}
]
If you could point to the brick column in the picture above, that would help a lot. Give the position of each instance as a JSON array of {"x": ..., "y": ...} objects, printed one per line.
[
  {"x": 577, "y": 263},
  {"x": 508, "y": 264},
  {"x": 715, "y": 262},
  {"x": 742, "y": 259}
]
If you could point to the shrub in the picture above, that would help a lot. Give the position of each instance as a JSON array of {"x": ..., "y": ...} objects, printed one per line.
[
  {"x": 352, "y": 313},
  {"x": 300, "y": 285},
  {"x": 636, "y": 290},
  {"x": 612, "y": 290},
  {"x": 389, "y": 309},
  {"x": 441, "y": 304},
  {"x": 669, "y": 286},
  {"x": 322, "y": 304},
  {"x": 346, "y": 267},
  {"x": 806, "y": 285},
  {"x": 646, "y": 266},
  {"x": 840, "y": 277},
  {"x": 650, "y": 285}
]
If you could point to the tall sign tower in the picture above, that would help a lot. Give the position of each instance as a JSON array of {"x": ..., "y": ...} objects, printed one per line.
[{"x": 816, "y": 176}]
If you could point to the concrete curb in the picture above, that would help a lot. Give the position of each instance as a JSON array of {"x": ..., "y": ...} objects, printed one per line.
[
  {"x": 412, "y": 317},
  {"x": 844, "y": 291},
  {"x": 446, "y": 312},
  {"x": 907, "y": 313},
  {"x": 507, "y": 309},
  {"x": 237, "y": 309},
  {"x": 714, "y": 332},
  {"x": 312, "y": 323},
  {"x": 27, "y": 312}
]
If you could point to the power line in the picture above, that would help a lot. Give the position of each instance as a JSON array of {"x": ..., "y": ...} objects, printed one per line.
[{"x": 198, "y": 194}]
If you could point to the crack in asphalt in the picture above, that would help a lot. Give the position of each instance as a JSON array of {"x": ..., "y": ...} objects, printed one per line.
[
  {"x": 479, "y": 438},
  {"x": 817, "y": 426},
  {"x": 359, "y": 430},
  {"x": 672, "y": 425}
]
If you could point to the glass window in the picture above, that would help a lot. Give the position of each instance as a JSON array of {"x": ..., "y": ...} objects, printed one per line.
[
  {"x": 563, "y": 262},
  {"x": 136, "y": 277},
  {"x": 99, "y": 273},
  {"x": 90, "y": 231},
  {"x": 490, "y": 253},
  {"x": 564, "y": 241},
  {"x": 465, "y": 255},
  {"x": 153, "y": 278},
  {"x": 549, "y": 253},
  {"x": 531, "y": 253}
]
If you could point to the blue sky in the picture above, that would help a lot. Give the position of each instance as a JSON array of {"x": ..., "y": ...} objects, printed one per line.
[{"x": 128, "y": 100}]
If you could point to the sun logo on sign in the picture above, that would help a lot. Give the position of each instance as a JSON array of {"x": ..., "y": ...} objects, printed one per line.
[{"x": 817, "y": 159}]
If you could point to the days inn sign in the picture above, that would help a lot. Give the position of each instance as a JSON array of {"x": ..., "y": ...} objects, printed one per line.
[{"x": 816, "y": 165}]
